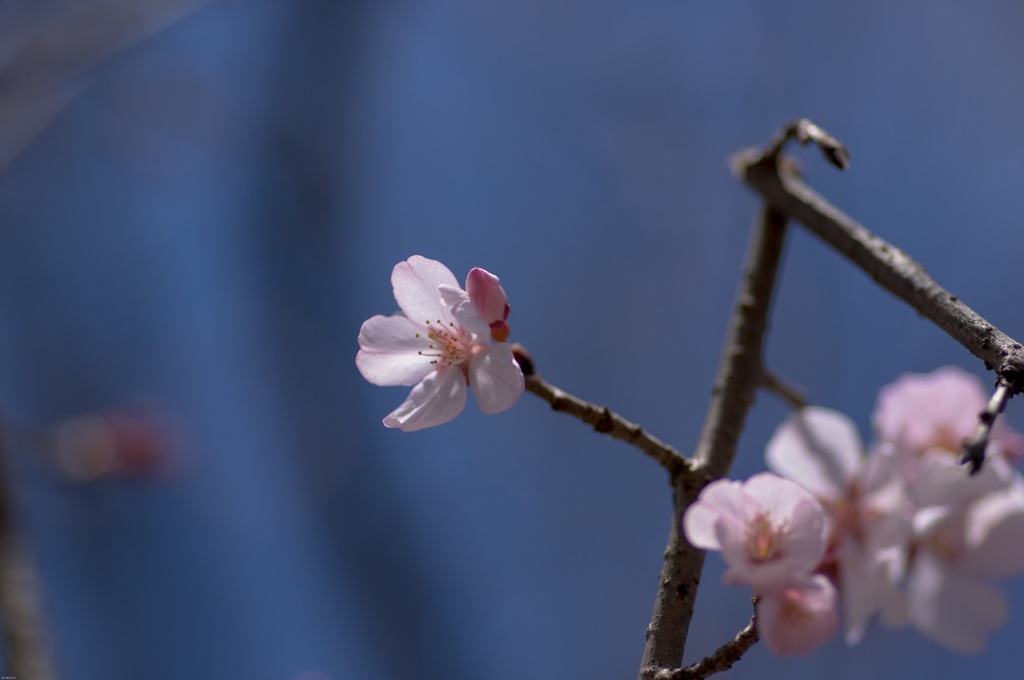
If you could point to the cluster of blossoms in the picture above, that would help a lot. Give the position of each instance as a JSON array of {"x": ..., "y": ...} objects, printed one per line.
[
  {"x": 900, "y": 531},
  {"x": 772, "y": 533},
  {"x": 445, "y": 339}
]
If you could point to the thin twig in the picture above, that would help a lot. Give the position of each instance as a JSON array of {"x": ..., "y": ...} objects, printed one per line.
[
  {"x": 975, "y": 445},
  {"x": 24, "y": 640},
  {"x": 601, "y": 418},
  {"x": 804, "y": 131},
  {"x": 780, "y": 388},
  {"x": 892, "y": 269},
  {"x": 739, "y": 376},
  {"x": 722, "y": 659}
]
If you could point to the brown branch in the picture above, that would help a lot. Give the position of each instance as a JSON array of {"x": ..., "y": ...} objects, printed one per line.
[
  {"x": 601, "y": 418},
  {"x": 887, "y": 265},
  {"x": 722, "y": 659},
  {"x": 740, "y": 373},
  {"x": 24, "y": 640},
  {"x": 975, "y": 445}
]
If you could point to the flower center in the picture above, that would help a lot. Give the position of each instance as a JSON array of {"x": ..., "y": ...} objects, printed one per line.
[
  {"x": 445, "y": 344},
  {"x": 762, "y": 544}
]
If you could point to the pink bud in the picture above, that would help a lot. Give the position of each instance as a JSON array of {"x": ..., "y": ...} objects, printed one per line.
[{"x": 488, "y": 296}]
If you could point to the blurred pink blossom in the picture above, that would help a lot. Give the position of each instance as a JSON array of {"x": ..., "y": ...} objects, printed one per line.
[
  {"x": 797, "y": 617},
  {"x": 968, "y": 531},
  {"x": 768, "y": 529},
  {"x": 912, "y": 537},
  {"x": 441, "y": 343},
  {"x": 922, "y": 412},
  {"x": 114, "y": 443},
  {"x": 821, "y": 450},
  {"x": 923, "y": 419},
  {"x": 771, "y": 533}
]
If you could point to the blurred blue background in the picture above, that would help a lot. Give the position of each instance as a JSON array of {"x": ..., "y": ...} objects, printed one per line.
[{"x": 205, "y": 217}]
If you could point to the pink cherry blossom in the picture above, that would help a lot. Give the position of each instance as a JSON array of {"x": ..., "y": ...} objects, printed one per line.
[
  {"x": 923, "y": 419},
  {"x": 798, "y": 616},
  {"x": 937, "y": 411},
  {"x": 913, "y": 538},
  {"x": 441, "y": 343},
  {"x": 768, "y": 529},
  {"x": 821, "y": 450},
  {"x": 958, "y": 552}
]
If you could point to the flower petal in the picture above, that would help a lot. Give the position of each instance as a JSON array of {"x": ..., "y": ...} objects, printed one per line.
[
  {"x": 920, "y": 411},
  {"x": 769, "y": 529},
  {"x": 495, "y": 378},
  {"x": 389, "y": 351},
  {"x": 938, "y": 478},
  {"x": 995, "y": 534},
  {"x": 719, "y": 501},
  {"x": 805, "y": 536},
  {"x": 416, "y": 283},
  {"x": 798, "y": 617},
  {"x": 895, "y": 564},
  {"x": 777, "y": 495},
  {"x": 465, "y": 313},
  {"x": 864, "y": 586},
  {"x": 435, "y": 400},
  {"x": 817, "y": 448},
  {"x": 799, "y": 518},
  {"x": 487, "y": 294},
  {"x": 953, "y": 607}
]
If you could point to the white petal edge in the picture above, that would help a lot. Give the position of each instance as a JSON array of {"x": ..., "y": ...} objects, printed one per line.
[
  {"x": 437, "y": 399},
  {"x": 389, "y": 351},
  {"x": 819, "y": 449},
  {"x": 719, "y": 501},
  {"x": 951, "y": 607},
  {"x": 416, "y": 283},
  {"x": 465, "y": 312},
  {"x": 863, "y": 588},
  {"x": 495, "y": 378},
  {"x": 777, "y": 495}
]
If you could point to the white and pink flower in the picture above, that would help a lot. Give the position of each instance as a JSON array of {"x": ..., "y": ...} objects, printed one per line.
[
  {"x": 767, "y": 528},
  {"x": 445, "y": 339},
  {"x": 923, "y": 419},
  {"x": 913, "y": 538},
  {"x": 869, "y": 516},
  {"x": 772, "y": 534},
  {"x": 799, "y": 616},
  {"x": 922, "y": 412}
]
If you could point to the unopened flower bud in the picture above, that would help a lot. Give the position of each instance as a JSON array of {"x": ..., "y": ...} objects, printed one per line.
[{"x": 489, "y": 298}]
